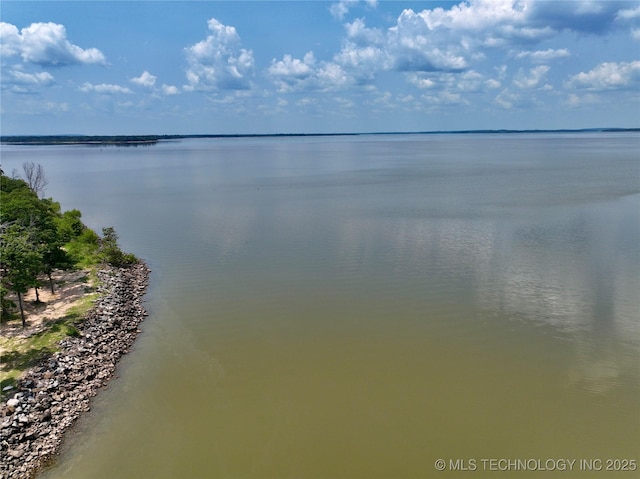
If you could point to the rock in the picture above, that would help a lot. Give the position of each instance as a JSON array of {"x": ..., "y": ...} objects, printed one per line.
[
  {"x": 53, "y": 394},
  {"x": 17, "y": 453}
]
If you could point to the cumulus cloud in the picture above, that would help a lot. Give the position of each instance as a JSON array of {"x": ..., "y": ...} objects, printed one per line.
[
  {"x": 507, "y": 99},
  {"x": 420, "y": 81},
  {"x": 445, "y": 83},
  {"x": 541, "y": 56},
  {"x": 219, "y": 62},
  {"x": 293, "y": 74},
  {"x": 294, "y": 68},
  {"x": 340, "y": 9},
  {"x": 45, "y": 44},
  {"x": 146, "y": 80},
  {"x": 629, "y": 13},
  {"x": 360, "y": 34},
  {"x": 445, "y": 98},
  {"x": 608, "y": 76},
  {"x": 575, "y": 101},
  {"x": 535, "y": 78},
  {"x": 170, "y": 90},
  {"x": 453, "y": 39},
  {"x": 362, "y": 63},
  {"x": 414, "y": 45},
  {"x": 104, "y": 88},
  {"x": 22, "y": 82},
  {"x": 442, "y": 39},
  {"x": 475, "y": 15}
]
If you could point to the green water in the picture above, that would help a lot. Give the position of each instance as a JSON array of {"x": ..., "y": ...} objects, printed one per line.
[{"x": 361, "y": 307}]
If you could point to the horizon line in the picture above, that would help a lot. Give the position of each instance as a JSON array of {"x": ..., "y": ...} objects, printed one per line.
[{"x": 363, "y": 133}]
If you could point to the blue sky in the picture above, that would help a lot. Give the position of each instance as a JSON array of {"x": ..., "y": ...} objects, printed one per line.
[{"x": 195, "y": 67}]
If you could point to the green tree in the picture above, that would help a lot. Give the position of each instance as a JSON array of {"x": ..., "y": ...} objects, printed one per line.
[
  {"x": 20, "y": 263},
  {"x": 110, "y": 251},
  {"x": 69, "y": 225},
  {"x": 54, "y": 257}
]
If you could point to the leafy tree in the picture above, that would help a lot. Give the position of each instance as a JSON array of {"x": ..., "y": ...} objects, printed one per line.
[
  {"x": 110, "y": 251},
  {"x": 84, "y": 250},
  {"x": 69, "y": 225},
  {"x": 20, "y": 263},
  {"x": 54, "y": 257}
]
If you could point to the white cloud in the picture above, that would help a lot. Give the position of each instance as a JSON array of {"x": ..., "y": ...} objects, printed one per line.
[
  {"x": 414, "y": 47},
  {"x": 608, "y": 76},
  {"x": 445, "y": 98},
  {"x": 475, "y": 15},
  {"x": 42, "y": 78},
  {"x": 629, "y": 13},
  {"x": 358, "y": 33},
  {"x": 45, "y": 44},
  {"x": 541, "y": 56},
  {"x": 10, "y": 40},
  {"x": 575, "y": 101},
  {"x": 535, "y": 78},
  {"x": 447, "y": 82},
  {"x": 362, "y": 63},
  {"x": 440, "y": 40},
  {"x": 146, "y": 80},
  {"x": 448, "y": 39},
  {"x": 635, "y": 34},
  {"x": 420, "y": 81},
  {"x": 293, "y": 67},
  {"x": 105, "y": 88},
  {"x": 293, "y": 74},
  {"x": 507, "y": 99},
  {"x": 218, "y": 62},
  {"x": 340, "y": 9},
  {"x": 22, "y": 82},
  {"x": 170, "y": 90},
  {"x": 470, "y": 81}
]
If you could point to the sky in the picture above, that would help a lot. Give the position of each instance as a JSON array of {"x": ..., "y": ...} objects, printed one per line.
[{"x": 262, "y": 67}]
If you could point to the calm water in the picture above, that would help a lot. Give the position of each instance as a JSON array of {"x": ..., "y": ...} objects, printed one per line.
[{"x": 359, "y": 307}]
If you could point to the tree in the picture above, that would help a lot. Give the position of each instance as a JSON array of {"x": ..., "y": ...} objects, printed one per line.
[
  {"x": 52, "y": 259},
  {"x": 20, "y": 263},
  {"x": 69, "y": 225},
  {"x": 110, "y": 251},
  {"x": 36, "y": 179}
]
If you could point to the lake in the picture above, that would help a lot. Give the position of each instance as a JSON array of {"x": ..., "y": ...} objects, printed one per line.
[{"x": 360, "y": 307}]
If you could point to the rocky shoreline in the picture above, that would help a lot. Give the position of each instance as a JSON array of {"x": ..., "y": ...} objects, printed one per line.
[{"x": 51, "y": 396}]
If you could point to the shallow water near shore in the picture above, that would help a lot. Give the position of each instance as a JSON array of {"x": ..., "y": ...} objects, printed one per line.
[{"x": 364, "y": 306}]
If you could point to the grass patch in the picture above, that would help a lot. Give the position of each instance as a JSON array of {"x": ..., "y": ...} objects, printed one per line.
[
  {"x": 19, "y": 354},
  {"x": 78, "y": 311}
]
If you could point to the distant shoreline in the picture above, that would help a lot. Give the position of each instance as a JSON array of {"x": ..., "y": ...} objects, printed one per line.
[{"x": 147, "y": 140}]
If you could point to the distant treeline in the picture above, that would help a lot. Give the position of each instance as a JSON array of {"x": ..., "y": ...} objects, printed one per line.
[
  {"x": 141, "y": 140},
  {"x": 129, "y": 140}
]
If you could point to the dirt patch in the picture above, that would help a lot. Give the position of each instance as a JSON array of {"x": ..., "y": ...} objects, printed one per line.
[{"x": 70, "y": 288}]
